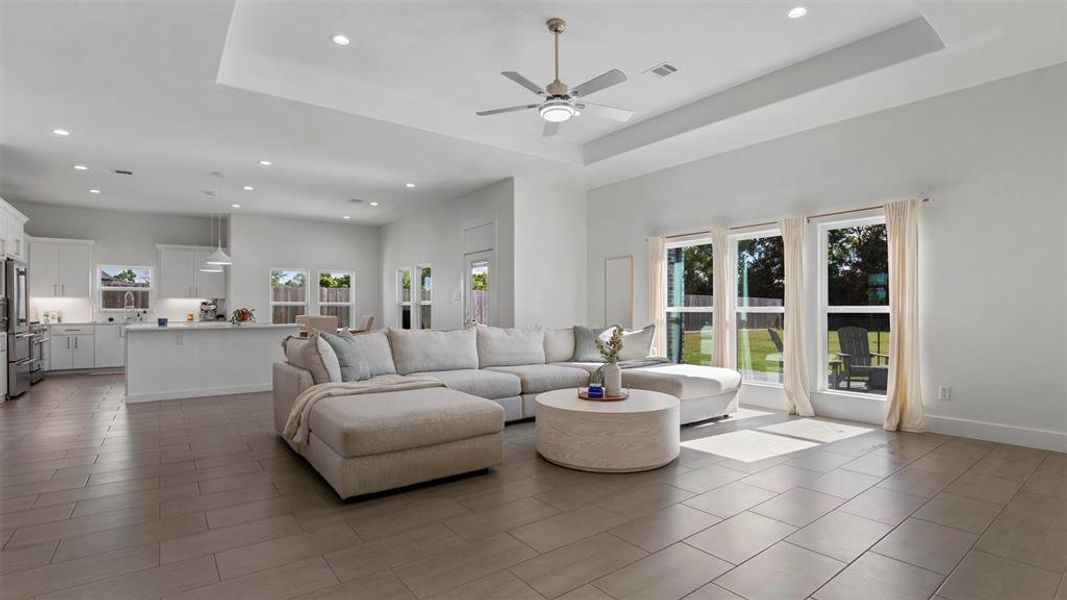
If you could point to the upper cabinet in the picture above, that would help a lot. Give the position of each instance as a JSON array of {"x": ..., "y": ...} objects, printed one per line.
[
  {"x": 12, "y": 237},
  {"x": 181, "y": 277},
  {"x": 60, "y": 268}
]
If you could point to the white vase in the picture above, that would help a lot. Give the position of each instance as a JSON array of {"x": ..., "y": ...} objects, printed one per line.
[{"x": 612, "y": 380}]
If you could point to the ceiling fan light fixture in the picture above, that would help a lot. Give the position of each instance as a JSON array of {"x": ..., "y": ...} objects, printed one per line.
[{"x": 556, "y": 111}]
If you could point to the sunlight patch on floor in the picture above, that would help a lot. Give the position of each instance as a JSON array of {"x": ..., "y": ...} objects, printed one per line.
[
  {"x": 747, "y": 445},
  {"x": 819, "y": 431}
]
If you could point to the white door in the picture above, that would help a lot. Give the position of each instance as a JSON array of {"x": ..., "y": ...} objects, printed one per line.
[
  {"x": 109, "y": 347},
  {"x": 44, "y": 276},
  {"x": 82, "y": 352},
  {"x": 62, "y": 355},
  {"x": 208, "y": 285},
  {"x": 176, "y": 267},
  {"x": 479, "y": 288},
  {"x": 74, "y": 270}
]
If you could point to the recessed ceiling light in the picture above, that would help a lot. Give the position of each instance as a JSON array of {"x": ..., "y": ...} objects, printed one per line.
[
  {"x": 265, "y": 163},
  {"x": 94, "y": 191},
  {"x": 61, "y": 132},
  {"x": 235, "y": 206},
  {"x": 409, "y": 185},
  {"x": 346, "y": 217},
  {"x": 797, "y": 12},
  {"x": 341, "y": 40},
  {"x": 373, "y": 203},
  {"x": 248, "y": 188},
  {"x": 81, "y": 168}
]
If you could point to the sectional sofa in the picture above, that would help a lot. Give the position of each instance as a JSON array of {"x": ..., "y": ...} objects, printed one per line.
[{"x": 491, "y": 375}]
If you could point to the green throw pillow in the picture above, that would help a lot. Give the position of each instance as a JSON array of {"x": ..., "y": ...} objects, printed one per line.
[
  {"x": 585, "y": 343},
  {"x": 354, "y": 367}
]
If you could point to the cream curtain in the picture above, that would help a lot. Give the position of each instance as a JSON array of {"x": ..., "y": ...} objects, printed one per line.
[
  {"x": 657, "y": 293},
  {"x": 904, "y": 395},
  {"x": 795, "y": 340},
  {"x": 722, "y": 355}
]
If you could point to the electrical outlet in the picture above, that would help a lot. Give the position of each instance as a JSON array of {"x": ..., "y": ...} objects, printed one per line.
[{"x": 944, "y": 392}]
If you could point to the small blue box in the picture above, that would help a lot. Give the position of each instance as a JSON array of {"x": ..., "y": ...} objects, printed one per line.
[
  {"x": 596, "y": 391},
  {"x": 162, "y": 321}
]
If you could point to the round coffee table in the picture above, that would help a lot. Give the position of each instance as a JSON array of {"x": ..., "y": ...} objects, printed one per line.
[{"x": 636, "y": 434}]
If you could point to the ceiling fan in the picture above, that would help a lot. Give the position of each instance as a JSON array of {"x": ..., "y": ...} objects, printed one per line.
[{"x": 560, "y": 102}]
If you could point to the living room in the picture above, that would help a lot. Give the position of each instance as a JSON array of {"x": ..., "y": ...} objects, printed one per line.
[{"x": 368, "y": 300}]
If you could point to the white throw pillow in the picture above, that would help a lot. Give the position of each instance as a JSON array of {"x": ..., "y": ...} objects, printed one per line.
[
  {"x": 329, "y": 359},
  {"x": 559, "y": 345},
  {"x": 636, "y": 343}
]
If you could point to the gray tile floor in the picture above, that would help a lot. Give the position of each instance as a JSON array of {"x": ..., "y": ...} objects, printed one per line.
[{"x": 198, "y": 499}]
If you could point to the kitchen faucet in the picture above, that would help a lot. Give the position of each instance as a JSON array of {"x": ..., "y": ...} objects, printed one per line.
[{"x": 127, "y": 305}]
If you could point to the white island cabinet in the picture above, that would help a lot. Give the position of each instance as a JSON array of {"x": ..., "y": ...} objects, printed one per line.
[{"x": 201, "y": 359}]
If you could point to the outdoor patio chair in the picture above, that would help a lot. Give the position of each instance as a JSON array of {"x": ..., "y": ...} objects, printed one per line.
[{"x": 858, "y": 360}]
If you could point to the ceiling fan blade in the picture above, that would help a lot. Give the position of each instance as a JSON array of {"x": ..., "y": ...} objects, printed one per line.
[
  {"x": 551, "y": 128},
  {"x": 612, "y": 77},
  {"x": 526, "y": 83},
  {"x": 608, "y": 112},
  {"x": 497, "y": 111}
]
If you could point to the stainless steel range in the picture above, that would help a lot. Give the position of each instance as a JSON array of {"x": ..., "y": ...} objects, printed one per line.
[{"x": 38, "y": 337}]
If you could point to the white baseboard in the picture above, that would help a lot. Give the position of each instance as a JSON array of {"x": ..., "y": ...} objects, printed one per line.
[
  {"x": 872, "y": 411},
  {"x": 996, "y": 432},
  {"x": 198, "y": 392}
]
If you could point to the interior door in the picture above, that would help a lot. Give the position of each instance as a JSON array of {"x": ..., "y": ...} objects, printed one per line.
[{"x": 478, "y": 288}]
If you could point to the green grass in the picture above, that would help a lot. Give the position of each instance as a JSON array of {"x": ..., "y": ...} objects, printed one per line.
[{"x": 760, "y": 345}]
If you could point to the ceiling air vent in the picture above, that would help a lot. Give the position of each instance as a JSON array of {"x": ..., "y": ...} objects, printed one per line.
[
  {"x": 662, "y": 70},
  {"x": 121, "y": 172}
]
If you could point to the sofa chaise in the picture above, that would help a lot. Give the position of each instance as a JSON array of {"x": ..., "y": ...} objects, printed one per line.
[{"x": 377, "y": 441}]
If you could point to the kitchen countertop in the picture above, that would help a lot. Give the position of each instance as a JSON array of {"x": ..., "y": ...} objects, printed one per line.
[{"x": 209, "y": 325}]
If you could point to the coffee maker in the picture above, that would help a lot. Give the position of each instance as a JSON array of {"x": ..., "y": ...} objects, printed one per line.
[{"x": 213, "y": 310}]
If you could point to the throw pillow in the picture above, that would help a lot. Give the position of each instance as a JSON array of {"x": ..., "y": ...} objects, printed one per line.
[
  {"x": 637, "y": 343},
  {"x": 353, "y": 365},
  {"x": 559, "y": 345},
  {"x": 585, "y": 343},
  {"x": 314, "y": 355}
]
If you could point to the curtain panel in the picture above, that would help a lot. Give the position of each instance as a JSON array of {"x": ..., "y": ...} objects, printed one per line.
[
  {"x": 722, "y": 353},
  {"x": 657, "y": 293},
  {"x": 795, "y": 339},
  {"x": 904, "y": 403}
]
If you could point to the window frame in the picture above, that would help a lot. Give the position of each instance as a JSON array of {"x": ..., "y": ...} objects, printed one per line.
[
  {"x": 307, "y": 291},
  {"x": 825, "y": 309},
  {"x": 400, "y": 302},
  {"x": 736, "y": 309},
  {"x": 100, "y": 289},
  {"x": 673, "y": 244},
  {"x": 416, "y": 290},
  {"x": 351, "y": 304}
]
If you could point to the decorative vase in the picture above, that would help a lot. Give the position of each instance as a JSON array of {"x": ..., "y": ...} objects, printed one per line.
[{"x": 612, "y": 379}]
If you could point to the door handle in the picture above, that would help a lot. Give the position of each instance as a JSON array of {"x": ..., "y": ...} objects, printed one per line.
[
  {"x": 55, "y": 289},
  {"x": 68, "y": 342}
]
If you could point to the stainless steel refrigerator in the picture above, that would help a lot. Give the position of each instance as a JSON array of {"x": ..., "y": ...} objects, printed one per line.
[{"x": 16, "y": 294}]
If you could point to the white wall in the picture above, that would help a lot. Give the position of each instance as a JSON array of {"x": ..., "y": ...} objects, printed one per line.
[
  {"x": 121, "y": 238},
  {"x": 550, "y": 255},
  {"x": 994, "y": 260},
  {"x": 259, "y": 244},
  {"x": 435, "y": 237}
]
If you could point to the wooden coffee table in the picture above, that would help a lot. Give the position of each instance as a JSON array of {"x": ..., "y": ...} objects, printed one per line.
[{"x": 637, "y": 434}]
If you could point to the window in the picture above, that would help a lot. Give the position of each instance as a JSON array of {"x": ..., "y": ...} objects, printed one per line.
[
  {"x": 335, "y": 296},
  {"x": 425, "y": 297},
  {"x": 760, "y": 307},
  {"x": 689, "y": 301},
  {"x": 288, "y": 294},
  {"x": 124, "y": 286},
  {"x": 403, "y": 285},
  {"x": 855, "y": 303}
]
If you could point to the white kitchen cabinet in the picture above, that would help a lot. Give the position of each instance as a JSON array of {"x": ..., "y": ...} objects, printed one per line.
[
  {"x": 181, "y": 277},
  {"x": 109, "y": 346},
  {"x": 15, "y": 239},
  {"x": 72, "y": 347},
  {"x": 60, "y": 268}
]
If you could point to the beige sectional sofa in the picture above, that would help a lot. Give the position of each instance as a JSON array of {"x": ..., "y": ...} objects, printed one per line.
[{"x": 378, "y": 441}]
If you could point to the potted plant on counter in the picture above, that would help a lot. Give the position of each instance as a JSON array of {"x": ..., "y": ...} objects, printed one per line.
[
  {"x": 243, "y": 316},
  {"x": 610, "y": 351}
]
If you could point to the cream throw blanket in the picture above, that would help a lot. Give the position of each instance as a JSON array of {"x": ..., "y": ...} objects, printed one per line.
[{"x": 296, "y": 427}]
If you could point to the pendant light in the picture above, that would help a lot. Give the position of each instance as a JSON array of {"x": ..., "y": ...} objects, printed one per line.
[
  {"x": 205, "y": 267},
  {"x": 218, "y": 257}
]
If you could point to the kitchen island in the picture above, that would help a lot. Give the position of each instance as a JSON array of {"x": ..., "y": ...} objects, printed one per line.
[{"x": 186, "y": 360}]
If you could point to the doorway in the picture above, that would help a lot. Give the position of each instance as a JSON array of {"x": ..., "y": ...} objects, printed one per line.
[{"x": 478, "y": 283}]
